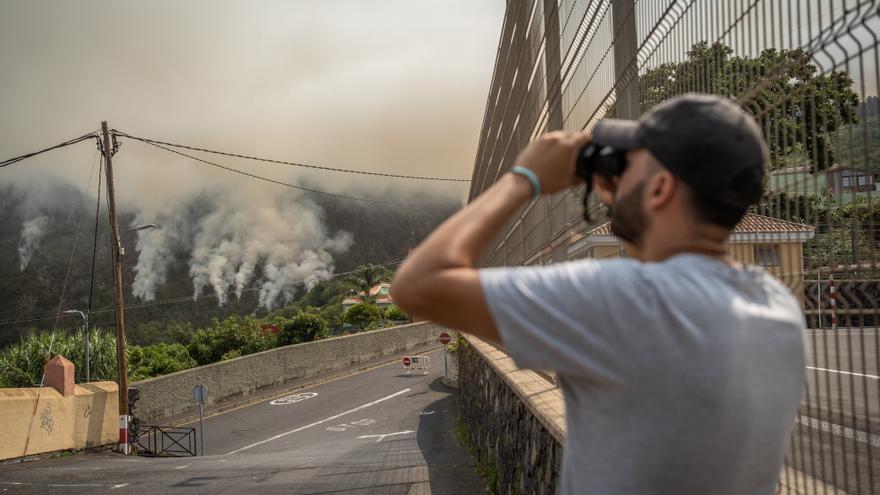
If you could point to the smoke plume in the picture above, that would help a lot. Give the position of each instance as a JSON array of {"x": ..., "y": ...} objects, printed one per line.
[
  {"x": 274, "y": 244},
  {"x": 32, "y": 232}
]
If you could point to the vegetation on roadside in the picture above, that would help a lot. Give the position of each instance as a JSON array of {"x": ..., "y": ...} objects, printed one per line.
[
  {"x": 484, "y": 459},
  {"x": 318, "y": 314}
]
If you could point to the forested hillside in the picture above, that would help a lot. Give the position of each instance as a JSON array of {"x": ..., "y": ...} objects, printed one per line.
[{"x": 47, "y": 236}]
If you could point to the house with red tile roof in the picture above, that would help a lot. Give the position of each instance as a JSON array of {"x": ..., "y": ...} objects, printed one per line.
[
  {"x": 381, "y": 292},
  {"x": 775, "y": 244}
]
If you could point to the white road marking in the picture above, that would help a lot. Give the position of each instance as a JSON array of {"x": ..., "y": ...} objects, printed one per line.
[
  {"x": 181, "y": 467},
  {"x": 426, "y": 413},
  {"x": 873, "y": 377},
  {"x": 316, "y": 423},
  {"x": 839, "y": 430},
  {"x": 354, "y": 424},
  {"x": 379, "y": 438},
  {"x": 65, "y": 485},
  {"x": 291, "y": 399}
]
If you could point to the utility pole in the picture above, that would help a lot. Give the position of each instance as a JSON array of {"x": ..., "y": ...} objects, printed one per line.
[{"x": 117, "y": 279}]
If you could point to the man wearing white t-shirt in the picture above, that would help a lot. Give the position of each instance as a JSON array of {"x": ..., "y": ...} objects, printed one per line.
[{"x": 681, "y": 370}]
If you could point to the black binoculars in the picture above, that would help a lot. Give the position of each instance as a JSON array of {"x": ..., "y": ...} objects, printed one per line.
[
  {"x": 597, "y": 159},
  {"x": 605, "y": 161}
]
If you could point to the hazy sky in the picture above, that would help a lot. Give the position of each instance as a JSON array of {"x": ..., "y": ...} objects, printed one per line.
[{"x": 396, "y": 86}]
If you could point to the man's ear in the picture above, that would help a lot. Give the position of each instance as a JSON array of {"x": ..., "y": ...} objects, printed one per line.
[{"x": 661, "y": 189}]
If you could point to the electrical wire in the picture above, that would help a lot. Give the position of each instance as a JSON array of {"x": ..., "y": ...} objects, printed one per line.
[
  {"x": 17, "y": 159},
  {"x": 293, "y": 164},
  {"x": 57, "y": 316},
  {"x": 280, "y": 183}
]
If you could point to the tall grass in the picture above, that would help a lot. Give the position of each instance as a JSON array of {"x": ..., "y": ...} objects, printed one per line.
[{"x": 21, "y": 365}]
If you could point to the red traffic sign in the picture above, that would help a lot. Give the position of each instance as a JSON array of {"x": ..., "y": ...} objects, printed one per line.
[
  {"x": 407, "y": 361},
  {"x": 444, "y": 338}
]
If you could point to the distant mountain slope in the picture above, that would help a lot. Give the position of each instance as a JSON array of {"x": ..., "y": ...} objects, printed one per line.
[{"x": 38, "y": 229}]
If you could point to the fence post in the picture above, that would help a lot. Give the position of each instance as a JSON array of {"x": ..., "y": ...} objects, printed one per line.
[
  {"x": 623, "y": 15},
  {"x": 832, "y": 301}
]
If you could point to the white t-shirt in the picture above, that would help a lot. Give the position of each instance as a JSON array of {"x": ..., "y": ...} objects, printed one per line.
[{"x": 682, "y": 376}]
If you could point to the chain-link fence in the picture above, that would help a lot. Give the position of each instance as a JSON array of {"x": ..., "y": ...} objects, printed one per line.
[{"x": 807, "y": 70}]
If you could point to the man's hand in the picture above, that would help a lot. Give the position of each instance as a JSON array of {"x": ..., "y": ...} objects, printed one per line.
[
  {"x": 605, "y": 188},
  {"x": 552, "y": 158}
]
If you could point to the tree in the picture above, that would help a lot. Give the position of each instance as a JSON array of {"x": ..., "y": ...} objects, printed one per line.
[
  {"x": 395, "y": 313},
  {"x": 332, "y": 314},
  {"x": 21, "y": 364},
  {"x": 361, "y": 315},
  {"x": 211, "y": 344},
  {"x": 798, "y": 108},
  {"x": 367, "y": 276},
  {"x": 304, "y": 327},
  {"x": 155, "y": 360}
]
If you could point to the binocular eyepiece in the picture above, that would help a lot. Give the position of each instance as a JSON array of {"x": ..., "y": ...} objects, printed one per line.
[
  {"x": 605, "y": 161},
  {"x": 602, "y": 160}
]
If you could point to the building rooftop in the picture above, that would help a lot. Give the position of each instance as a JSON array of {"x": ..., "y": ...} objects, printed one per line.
[{"x": 752, "y": 223}]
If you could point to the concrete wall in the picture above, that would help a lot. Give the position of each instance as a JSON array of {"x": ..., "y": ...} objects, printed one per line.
[
  {"x": 88, "y": 418},
  {"x": 513, "y": 420},
  {"x": 169, "y": 395}
]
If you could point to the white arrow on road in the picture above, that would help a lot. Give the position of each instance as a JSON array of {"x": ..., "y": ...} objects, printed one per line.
[{"x": 379, "y": 438}]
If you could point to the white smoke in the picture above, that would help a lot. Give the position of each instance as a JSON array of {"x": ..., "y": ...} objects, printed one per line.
[
  {"x": 32, "y": 232},
  {"x": 156, "y": 248},
  {"x": 278, "y": 238}
]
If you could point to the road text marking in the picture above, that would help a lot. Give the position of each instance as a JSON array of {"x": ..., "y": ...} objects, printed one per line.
[
  {"x": 316, "y": 423},
  {"x": 290, "y": 399},
  {"x": 379, "y": 438},
  {"x": 873, "y": 377},
  {"x": 835, "y": 429}
]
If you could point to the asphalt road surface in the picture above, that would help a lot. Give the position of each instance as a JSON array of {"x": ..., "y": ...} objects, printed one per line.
[
  {"x": 837, "y": 434},
  {"x": 384, "y": 430}
]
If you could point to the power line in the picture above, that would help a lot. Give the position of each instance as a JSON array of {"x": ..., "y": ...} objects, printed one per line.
[
  {"x": 293, "y": 164},
  {"x": 95, "y": 242},
  {"x": 273, "y": 181},
  {"x": 17, "y": 159}
]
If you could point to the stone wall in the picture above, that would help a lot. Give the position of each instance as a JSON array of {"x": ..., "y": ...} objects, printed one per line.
[
  {"x": 512, "y": 420},
  {"x": 89, "y": 417},
  {"x": 170, "y": 395}
]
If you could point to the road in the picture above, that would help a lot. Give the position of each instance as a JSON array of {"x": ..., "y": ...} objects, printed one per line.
[
  {"x": 384, "y": 430},
  {"x": 837, "y": 434}
]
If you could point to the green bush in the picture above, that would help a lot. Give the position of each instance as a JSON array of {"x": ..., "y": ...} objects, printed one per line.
[
  {"x": 21, "y": 364},
  {"x": 332, "y": 314},
  {"x": 304, "y": 327},
  {"x": 396, "y": 314},
  {"x": 155, "y": 360},
  {"x": 209, "y": 345},
  {"x": 361, "y": 315}
]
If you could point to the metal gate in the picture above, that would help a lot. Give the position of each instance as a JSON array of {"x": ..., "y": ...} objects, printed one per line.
[{"x": 165, "y": 441}]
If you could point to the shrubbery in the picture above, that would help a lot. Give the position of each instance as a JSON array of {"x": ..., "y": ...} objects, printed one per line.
[
  {"x": 304, "y": 327},
  {"x": 361, "y": 315},
  {"x": 232, "y": 337},
  {"x": 396, "y": 314},
  {"x": 21, "y": 364},
  {"x": 156, "y": 360}
]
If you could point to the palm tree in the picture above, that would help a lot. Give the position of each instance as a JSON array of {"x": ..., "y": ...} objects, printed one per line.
[{"x": 366, "y": 276}]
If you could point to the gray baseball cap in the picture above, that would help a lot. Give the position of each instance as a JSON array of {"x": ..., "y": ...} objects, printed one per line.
[{"x": 707, "y": 141}]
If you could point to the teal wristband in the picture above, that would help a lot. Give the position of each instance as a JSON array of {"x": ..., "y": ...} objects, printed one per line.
[{"x": 528, "y": 174}]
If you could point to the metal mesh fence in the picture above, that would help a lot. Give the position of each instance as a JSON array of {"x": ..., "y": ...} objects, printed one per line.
[{"x": 807, "y": 70}]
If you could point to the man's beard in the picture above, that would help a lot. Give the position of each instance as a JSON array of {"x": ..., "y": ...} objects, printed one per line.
[{"x": 627, "y": 219}]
